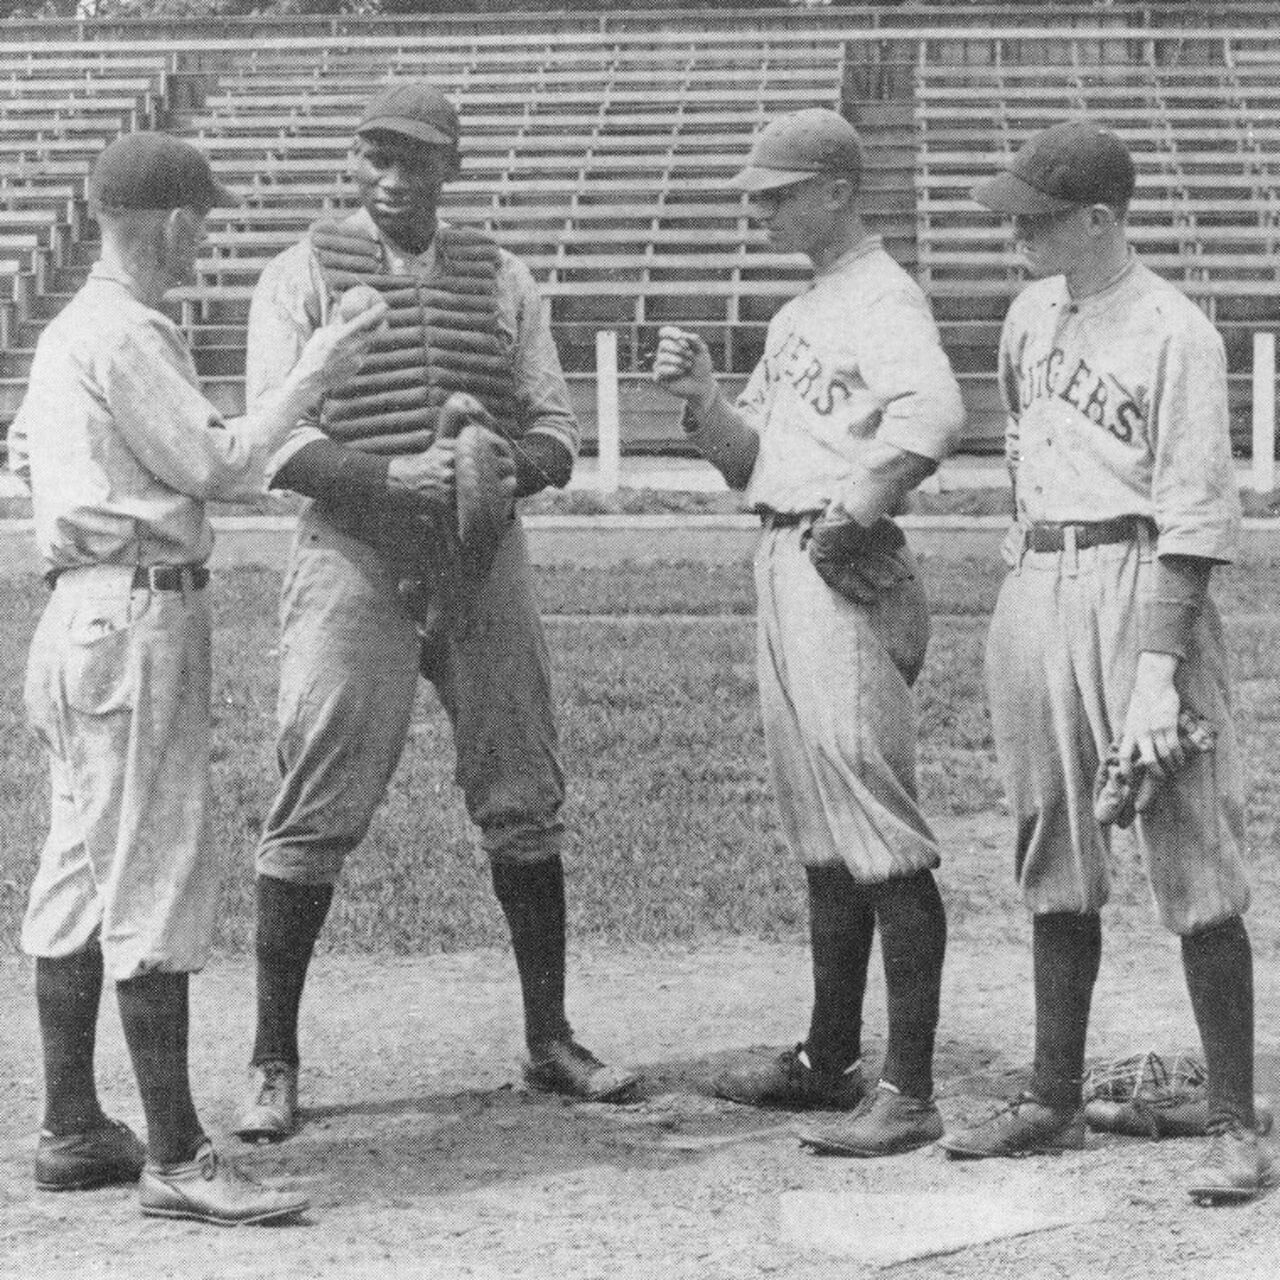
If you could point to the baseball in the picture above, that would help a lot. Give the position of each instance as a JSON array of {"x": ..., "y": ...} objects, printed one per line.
[{"x": 358, "y": 298}]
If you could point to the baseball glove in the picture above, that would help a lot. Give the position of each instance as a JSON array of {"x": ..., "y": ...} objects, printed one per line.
[
  {"x": 484, "y": 481},
  {"x": 861, "y": 562},
  {"x": 1150, "y": 1096},
  {"x": 441, "y": 598},
  {"x": 1118, "y": 799}
]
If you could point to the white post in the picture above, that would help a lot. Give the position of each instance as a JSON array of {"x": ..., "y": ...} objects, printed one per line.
[
  {"x": 608, "y": 424},
  {"x": 1264, "y": 412}
]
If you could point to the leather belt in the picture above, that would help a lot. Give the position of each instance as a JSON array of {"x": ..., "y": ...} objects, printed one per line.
[
  {"x": 157, "y": 577},
  {"x": 1093, "y": 533},
  {"x": 786, "y": 519}
]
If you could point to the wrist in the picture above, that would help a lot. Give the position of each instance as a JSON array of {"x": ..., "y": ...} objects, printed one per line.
[{"x": 1156, "y": 666}]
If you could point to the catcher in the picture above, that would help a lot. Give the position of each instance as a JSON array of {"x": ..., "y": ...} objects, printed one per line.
[
  {"x": 461, "y": 408},
  {"x": 853, "y": 405}
]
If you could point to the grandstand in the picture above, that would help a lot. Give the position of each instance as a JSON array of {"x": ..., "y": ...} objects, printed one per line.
[{"x": 597, "y": 148}]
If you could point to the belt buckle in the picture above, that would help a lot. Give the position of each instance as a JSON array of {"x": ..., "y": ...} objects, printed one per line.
[{"x": 1070, "y": 549}]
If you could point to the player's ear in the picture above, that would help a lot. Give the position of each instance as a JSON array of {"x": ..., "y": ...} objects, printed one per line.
[
  {"x": 840, "y": 193},
  {"x": 452, "y": 166},
  {"x": 1101, "y": 218}
]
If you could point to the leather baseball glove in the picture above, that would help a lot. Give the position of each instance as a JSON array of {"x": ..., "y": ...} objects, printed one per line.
[
  {"x": 859, "y": 561},
  {"x": 1118, "y": 799},
  {"x": 484, "y": 481},
  {"x": 442, "y": 597}
]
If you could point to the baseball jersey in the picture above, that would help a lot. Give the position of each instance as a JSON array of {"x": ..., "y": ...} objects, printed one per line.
[
  {"x": 116, "y": 441},
  {"x": 1117, "y": 406},
  {"x": 856, "y": 359},
  {"x": 292, "y": 300}
]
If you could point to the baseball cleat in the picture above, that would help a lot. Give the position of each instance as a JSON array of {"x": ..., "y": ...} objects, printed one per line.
[
  {"x": 101, "y": 1157},
  {"x": 1025, "y": 1127},
  {"x": 271, "y": 1108},
  {"x": 565, "y": 1067},
  {"x": 1235, "y": 1168},
  {"x": 790, "y": 1082},
  {"x": 888, "y": 1123},
  {"x": 209, "y": 1189}
]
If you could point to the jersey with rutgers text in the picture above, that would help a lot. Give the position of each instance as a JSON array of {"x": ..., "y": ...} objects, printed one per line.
[{"x": 1117, "y": 406}]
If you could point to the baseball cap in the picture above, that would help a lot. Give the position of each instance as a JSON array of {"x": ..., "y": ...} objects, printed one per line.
[
  {"x": 155, "y": 171},
  {"x": 1066, "y": 166},
  {"x": 415, "y": 109},
  {"x": 797, "y": 146}
]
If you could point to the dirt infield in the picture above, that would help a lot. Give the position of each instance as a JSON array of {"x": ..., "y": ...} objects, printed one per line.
[{"x": 424, "y": 1159}]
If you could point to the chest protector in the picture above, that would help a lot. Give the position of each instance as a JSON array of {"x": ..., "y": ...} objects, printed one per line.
[{"x": 442, "y": 335}]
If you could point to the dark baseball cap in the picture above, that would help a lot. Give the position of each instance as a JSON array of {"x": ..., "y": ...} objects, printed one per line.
[
  {"x": 155, "y": 171},
  {"x": 1067, "y": 166},
  {"x": 416, "y": 110},
  {"x": 798, "y": 146}
]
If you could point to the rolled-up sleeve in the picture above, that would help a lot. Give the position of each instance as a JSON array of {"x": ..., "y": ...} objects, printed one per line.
[
  {"x": 900, "y": 357},
  {"x": 1194, "y": 490},
  {"x": 545, "y": 404}
]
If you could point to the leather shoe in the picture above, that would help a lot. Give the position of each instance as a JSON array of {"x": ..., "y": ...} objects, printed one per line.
[
  {"x": 888, "y": 1123},
  {"x": 1234, "y": 1168},
  {"x": 1026, "y": 1127},
  {"x": 271, "y": 1107},
  {"x": 565, "y": 1067},
  {"x": 790, "y": 1082},
  {"x": 98, "y": 1157},
  {"x": 209, "y": 1189}
]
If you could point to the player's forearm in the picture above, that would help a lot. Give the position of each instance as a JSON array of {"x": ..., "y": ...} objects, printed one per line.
[
  {"x": 1168, "y": 615},
  {"x": 724, "y": 437},
  {"x": 331, "y": 472},
  {"x": 886, "y": 476}
]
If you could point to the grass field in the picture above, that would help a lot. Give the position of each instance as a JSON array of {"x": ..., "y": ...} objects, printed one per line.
[{"x": 672, "y": 831}]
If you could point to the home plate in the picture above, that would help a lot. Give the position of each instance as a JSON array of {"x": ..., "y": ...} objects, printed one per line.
[{"x": 886, "y": 1228}]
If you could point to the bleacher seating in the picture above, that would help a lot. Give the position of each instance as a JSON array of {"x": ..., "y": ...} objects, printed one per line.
[{"x": 598, "y": 149}]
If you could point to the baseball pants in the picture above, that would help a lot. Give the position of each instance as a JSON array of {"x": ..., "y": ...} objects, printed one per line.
[
  {"x": 839, "y": 716},
  {"x": 349, "y": 667},
  {"x": 117, "y": 688},
  {"x": 1061, "y": 658}
]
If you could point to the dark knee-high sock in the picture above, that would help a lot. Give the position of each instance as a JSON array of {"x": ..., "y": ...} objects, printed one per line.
[
  {"x": 842, "y": 924},
  {"x": 1219, "y": 967},
  {"x": 154, "y": 1011},
  {"x": 289, "y": 920},
  {"x": 532, "y": 898},
  {"x": 1066, "y": 950},
  {"x": 68, "y": 991},
  {"x": 913, "y": 939}
]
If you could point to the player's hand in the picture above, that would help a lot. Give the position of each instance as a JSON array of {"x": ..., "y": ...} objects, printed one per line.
[
  {"x": 335, "y": 352},
  {"x": 425, "y": 480},
  {"x": 1151, "y": 723},
  {"x": 683, "y": 366}
]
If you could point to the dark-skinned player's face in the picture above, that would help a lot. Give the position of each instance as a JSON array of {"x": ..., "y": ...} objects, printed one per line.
[{"x": 399, "y": 181}]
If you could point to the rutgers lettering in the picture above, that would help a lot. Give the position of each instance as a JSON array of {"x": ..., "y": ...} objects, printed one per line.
[
  {"x": 1098, "y": 396},
  {"x": 794, "y": 361}
]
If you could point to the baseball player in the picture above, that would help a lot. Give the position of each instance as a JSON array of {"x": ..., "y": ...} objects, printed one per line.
[
  {"x": 1115, "y": 386},
  {"x": 364, "y": 588},
  {"x": 121, "y": 452},
  {"x": 852, "y": 405}
]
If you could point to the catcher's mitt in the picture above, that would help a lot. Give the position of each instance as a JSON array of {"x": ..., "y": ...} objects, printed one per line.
[
  {"x": 440, "y": 600},
  {"x": 861, "y": 562},
  {"x": 484, "y": 481},
  {"x": 1150, "y": 1096},
  {"x": 1118, "y": 799}
]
